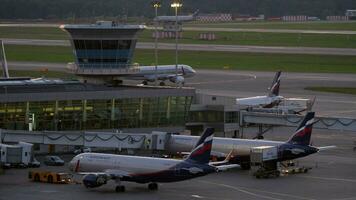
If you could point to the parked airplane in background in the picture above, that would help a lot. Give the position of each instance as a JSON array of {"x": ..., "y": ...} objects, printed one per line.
[
  {"x": 163, "y": 73},
  {"x": 272, "y": 99},
  {"x": 99, "y": 168},
  {"x": 296, "y": 147},
  {"x": 180, "y": 19}
]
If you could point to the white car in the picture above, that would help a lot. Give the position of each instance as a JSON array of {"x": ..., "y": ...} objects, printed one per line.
[{"x": 82, "y": 150}]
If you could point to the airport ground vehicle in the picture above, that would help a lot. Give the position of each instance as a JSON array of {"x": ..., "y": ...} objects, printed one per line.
[
  {"x": 17, "y": 155},
  {"x": 264, "y": 161},
  {"x": 49, "y": 177},
  {"x": 53, "y": 161}
]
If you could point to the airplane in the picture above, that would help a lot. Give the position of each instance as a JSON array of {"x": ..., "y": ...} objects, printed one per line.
[
  {"x": 163, "y": 73},
  {"x": 99, "y": 168},
  {"x": 296, "y": 147},
  {"x": 272, "y": 99},
  {"x": 180, "y": 19}
]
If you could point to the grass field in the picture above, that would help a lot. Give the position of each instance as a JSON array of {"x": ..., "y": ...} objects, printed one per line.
[
  {"x": 343, "y": 90},
  {"x": 192, "y": 37},
  {"x": 322, "y": 25},
  {"x": 33, "y": 33},
  {"x": 204, "y": 60},
  {"x": 36, "y": 74},
  {"x": 264, "y": 39}
]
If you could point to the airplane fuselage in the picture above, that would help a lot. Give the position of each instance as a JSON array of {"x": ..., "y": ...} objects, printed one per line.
[
  {"x": 140, "y": 169},
  {"x": 163, "y": 72},
  {"x": 262, "y": 101},
  {"x": 241, "y": 147}
]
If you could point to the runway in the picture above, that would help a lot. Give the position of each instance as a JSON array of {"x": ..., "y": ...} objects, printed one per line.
[
  {"x": 235, "y": 83},
  {"x": 258, "y": 30},
  {"x": 205, "y": 47},
  {"x": 191, "y": 28}
]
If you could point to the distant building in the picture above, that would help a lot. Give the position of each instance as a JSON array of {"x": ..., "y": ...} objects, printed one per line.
[
  {"x": 223, "y": 17},
  {"x": 337, "y": 18},
  {"x": 298, "y": 18},
  {"x": 249, "y": 18},
  {"x": 351, "y": 14}
]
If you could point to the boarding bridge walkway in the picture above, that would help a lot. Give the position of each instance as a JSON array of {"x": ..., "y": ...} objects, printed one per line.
[
  {"x": 330, "y": 123},
  {"x": 88, "y": 139}
]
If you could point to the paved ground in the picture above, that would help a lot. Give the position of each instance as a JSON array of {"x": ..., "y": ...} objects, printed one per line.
[
  {"x": 204, "y": 47},
  {"x": 246, "y": 84},
  {"x": 332, "y": 177},
  {"x": 189, "y": 27}
]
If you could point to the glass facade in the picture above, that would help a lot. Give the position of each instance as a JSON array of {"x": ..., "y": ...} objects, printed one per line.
[
  {"x": 214, "y": 116},
  {"x": 206, "y": 116},
  {"x": 103, "y": 53},
  {"x": 95, "y": 114}
]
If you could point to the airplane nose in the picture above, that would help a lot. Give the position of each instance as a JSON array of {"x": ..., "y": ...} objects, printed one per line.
[{"x": 72, "y": 164}]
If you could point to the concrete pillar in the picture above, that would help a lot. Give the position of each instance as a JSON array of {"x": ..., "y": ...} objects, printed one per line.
[
  {"x": 112, "y": 109},
  {"x": 84, "y": 110},
  {"x": 168, "y": 115},
  {"x": 141, "y": 109}
]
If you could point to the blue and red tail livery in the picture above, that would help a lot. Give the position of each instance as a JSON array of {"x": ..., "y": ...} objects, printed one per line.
[
  {"x": 274, "y": 90},
  {"x": 303, "y": 133},
  {"x": 201, "y": 152}
]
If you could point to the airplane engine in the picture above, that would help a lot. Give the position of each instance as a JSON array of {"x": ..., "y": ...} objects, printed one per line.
[
  {"x": 94, "y": 180},
  {"x": 177, "y": 79}
]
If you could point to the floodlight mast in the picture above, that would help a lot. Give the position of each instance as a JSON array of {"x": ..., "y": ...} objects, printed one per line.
[{"x": 176, "y": 5}]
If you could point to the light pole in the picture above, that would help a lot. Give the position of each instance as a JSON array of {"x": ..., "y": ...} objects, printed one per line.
[
  {"x": 176, "y": 5},
  {"x": 156, "y": 4}
]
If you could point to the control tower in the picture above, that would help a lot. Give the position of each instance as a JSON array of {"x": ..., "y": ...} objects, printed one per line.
[{"x": 103, "y": 51}]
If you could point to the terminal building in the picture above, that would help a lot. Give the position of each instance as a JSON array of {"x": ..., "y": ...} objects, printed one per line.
[{"x": 103, "y": 52}]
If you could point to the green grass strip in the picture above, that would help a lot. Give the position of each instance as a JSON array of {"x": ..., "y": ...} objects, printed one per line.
[
  {"x": 203, "y": 60},
  {"x": 192, "y": 37}
]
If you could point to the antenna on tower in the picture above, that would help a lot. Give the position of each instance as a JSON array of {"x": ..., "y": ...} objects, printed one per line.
[{"x": 5, "y": 69}]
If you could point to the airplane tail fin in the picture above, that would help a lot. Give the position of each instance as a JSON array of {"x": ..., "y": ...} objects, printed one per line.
[
  {"x": 201, "y": 152},
  {"x": 304, "y": 131},
  {"x": 274, "y": 89},
  {"x": 196, "y": 13}
]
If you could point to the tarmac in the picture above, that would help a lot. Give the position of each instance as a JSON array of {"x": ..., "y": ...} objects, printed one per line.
[
  {"x": 205, "y": 47},
  {"x": 332, "y": 177}
]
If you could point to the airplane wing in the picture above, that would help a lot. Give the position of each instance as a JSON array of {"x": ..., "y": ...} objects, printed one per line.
[
  {"x": 226, "y": 167},
  {"x": 109, "y": 174},
  {"x": 227, "y": 159},
  {"x": 326, "y": 148}
]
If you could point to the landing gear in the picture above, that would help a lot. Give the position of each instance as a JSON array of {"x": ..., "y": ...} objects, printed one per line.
[
  {"x": 120, "y": 188},
  {"x": 245, "y": 165},
  {"x": 144, "y": 82},
  {"x": 153, "y": 186},
  {"x": 162, "y": 83}
]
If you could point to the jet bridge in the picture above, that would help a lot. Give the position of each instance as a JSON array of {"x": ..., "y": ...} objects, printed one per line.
[
  {"x": 275, "y": 119},
  {"x": 116, "y": 140}
]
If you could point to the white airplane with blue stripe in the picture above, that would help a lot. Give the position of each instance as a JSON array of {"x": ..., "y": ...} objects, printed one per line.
[
  {"x": 99, "y": 168},
  {"x": 270, "y": 100}
]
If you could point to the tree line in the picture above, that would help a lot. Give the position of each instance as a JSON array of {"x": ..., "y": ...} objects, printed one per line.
[{"x": 64, "y": 9}]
